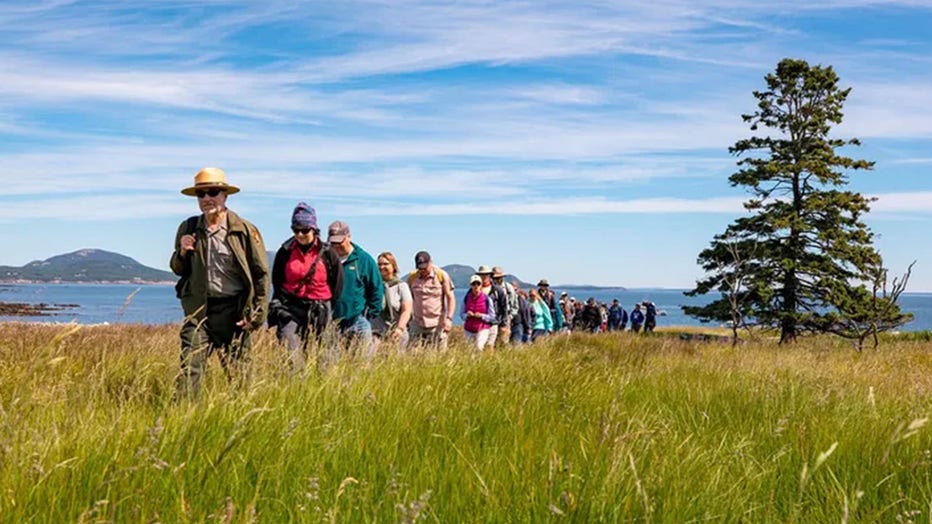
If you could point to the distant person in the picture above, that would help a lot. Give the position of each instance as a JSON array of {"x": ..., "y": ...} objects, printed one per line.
[
  {"x": 523, "y": 323},
  {"x": 434, "y": 303},
  {"x": 392, "y": 325},
  {"x": 637, "y": 318},
  {"x": 592, "y": 316},
  {"x": 361, "y": 299},
  {"x": 547, "y": 295},
  {"x": 478, "y": 314},
  {"x": 543, "y": 322},
  {"x": 615, "y": 314},
  {"x": 307, "y": 278},
  {"x": 650, "y": 316},
  {"x": 497, "y": 293},
  {"x": 569, "y": 311},
  {"x": 224, "y": 283},
  {"x": 511, "y": 302}
]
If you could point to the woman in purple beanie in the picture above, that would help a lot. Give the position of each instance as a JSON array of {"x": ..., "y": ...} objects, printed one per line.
[{"x": 307, "y": 278}]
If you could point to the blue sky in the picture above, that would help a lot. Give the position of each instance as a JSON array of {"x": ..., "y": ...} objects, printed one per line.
[{"x": 578, "y": 141}]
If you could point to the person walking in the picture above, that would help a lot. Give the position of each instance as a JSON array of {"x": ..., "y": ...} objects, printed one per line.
[
  {"x": 392, "y": 326},
  {"x": 637, "y": 318},
  {"x": 307, "y": 278},
  {"x": 650, "y": 316},
  {"x": 224, "y": 284},
  {"x": 543, "y": 322},
  {"x": 360, "y": 300},
  {"x": 478, "y": 314},
  {"x": 615, "y": 313},
  {"x": 434, "y": 303},
  {"x": 511, "y": 302},
  {"x": 497, "y": 293},
  {"x": 522, "y": 324}
]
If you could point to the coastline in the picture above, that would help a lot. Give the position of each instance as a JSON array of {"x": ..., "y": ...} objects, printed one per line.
[{"x": 9, "y": 282}]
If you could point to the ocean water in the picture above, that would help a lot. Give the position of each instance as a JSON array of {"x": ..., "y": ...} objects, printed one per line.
[{"x": 156, "y": 304}]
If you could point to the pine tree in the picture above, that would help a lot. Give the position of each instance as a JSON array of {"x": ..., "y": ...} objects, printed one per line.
[{"x": 810, "y": 248}]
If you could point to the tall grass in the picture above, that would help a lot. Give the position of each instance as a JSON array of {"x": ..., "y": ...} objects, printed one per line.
[{"x": 613, "y": 428}]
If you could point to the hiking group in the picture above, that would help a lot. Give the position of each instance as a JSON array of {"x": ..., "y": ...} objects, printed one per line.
[{"x": 334, "y": 293}]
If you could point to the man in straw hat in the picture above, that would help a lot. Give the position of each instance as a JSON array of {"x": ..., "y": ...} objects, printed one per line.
[
  {"x": 224, "y": 283},
  {"x": 496, "y": 292}
]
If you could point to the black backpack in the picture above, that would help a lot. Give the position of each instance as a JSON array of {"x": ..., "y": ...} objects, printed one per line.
[{"x": 190, "y": 228}]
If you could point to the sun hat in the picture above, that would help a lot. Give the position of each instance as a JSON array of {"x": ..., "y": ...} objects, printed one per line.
[
  {"x": 498, "y": 272},
  {"x": 484, "y": 270},
  {"x": 210, "y": 178},
  {"x": 543, "y": 283}
]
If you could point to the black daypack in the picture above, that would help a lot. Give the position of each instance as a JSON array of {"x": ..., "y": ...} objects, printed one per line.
[{"x": 190, "y": 228}]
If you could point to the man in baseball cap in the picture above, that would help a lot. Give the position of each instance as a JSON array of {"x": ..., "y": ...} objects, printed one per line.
[
  {"x": 361, "y": 298},
  {"x": 434, "y": 303}
]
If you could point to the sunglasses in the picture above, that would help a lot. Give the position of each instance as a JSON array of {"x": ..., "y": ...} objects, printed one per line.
[
  {"x": 301, "y": 230},
  {"x": 210, "y": 192}
]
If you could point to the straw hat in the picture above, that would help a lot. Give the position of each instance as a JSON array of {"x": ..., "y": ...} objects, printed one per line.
[
  {"x": 484, "y": 270},
  {"x": 210, "y": 178}
]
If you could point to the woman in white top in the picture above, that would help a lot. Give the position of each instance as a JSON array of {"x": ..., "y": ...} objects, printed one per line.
[{"x": 392, "y": 325}]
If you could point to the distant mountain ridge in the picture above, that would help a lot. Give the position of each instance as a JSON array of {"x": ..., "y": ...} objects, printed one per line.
[
  {"x": 97, "y": 265},
  {"x": 86, "y": 265}
]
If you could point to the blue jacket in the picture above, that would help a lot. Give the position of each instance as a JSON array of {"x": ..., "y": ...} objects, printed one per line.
[
  {"x": 362, "y": 288},
  {"x": 637, "y": 318}
]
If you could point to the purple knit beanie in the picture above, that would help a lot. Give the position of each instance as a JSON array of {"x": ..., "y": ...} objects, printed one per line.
[{"x": 304, "y": 216}]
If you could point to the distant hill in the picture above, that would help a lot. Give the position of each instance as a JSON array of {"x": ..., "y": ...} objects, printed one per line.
[
  {"x": 97, "y": 265},
  {"x": 86, "y": 265}
]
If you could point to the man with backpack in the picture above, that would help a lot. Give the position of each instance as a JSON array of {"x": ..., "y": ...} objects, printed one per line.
[
  {"x": 511, "y": 296},
  {"x": 224, "y": 284},
  {"x": 433, "y": 303}
]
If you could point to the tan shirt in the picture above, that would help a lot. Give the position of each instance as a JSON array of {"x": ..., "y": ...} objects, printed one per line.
[
  {"x": 223, "y": 274},
  {"x": 428, "y": 295}
]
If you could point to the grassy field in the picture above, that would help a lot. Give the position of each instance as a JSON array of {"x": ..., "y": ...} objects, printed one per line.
[{"x": 610, "y": 428}]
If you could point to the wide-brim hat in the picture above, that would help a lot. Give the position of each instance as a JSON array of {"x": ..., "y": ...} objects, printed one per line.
[
  {"x": 498, "y": 272},
  {"x": 210, "y": 178},
  {"x": 484, "y": 270},
  {"x": 543, "y": 283}
]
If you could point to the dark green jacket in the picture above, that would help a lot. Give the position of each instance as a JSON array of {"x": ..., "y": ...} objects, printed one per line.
[
  {"x": 246, "y": 244},
  {"x": 362, "y": 287}
]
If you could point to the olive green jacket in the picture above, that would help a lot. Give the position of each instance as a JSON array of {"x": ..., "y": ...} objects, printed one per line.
[{"x": 246, "y": 244}]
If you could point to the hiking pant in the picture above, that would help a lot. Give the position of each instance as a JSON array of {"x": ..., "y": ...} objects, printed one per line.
[
  {"x": 303, "y": 319},
  {"x": 355, "y": 334},
  {"x": 216, "y": 332},
  {"x": 434, "y": 336},
  {"x": 504, "y": 334},
  {"x": 538, "y": 333},
  {"x": 480, "y": 339}
]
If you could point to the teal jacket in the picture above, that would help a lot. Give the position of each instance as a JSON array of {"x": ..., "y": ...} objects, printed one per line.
[{"x": 362, "y": 288}]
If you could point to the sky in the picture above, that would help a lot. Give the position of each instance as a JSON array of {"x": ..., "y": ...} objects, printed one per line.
[{"x": 582, "y": 141}]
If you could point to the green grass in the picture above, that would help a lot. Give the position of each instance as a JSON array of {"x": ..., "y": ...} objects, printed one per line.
[{"x": 610, "y": 428}]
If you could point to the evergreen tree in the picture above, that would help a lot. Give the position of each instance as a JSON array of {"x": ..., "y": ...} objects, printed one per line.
[{"x": 810, "y": 250}]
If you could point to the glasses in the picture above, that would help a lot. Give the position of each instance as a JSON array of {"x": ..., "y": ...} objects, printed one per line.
[
  {"x": 301, "y": 230},
  {"x": 210, "y": 192},
  {"x": 475, "y": 284}
]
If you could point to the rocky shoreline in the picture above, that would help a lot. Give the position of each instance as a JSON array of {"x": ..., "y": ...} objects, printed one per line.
[{"x": 22, "y": 309}]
